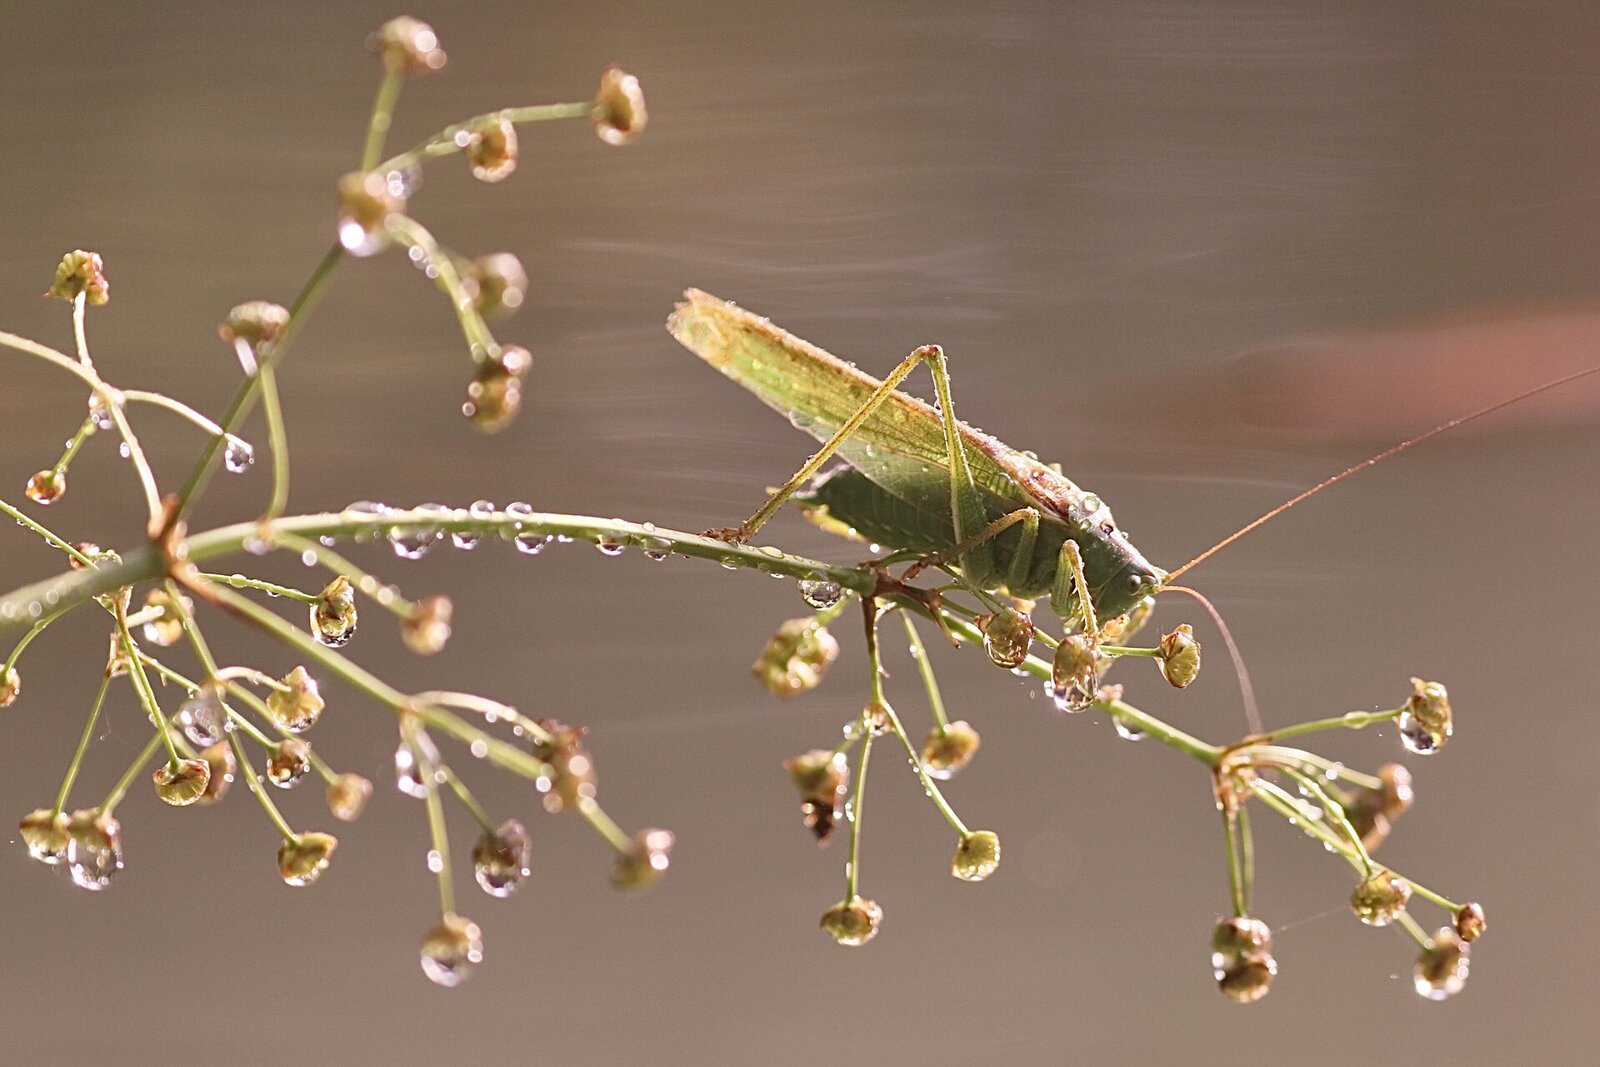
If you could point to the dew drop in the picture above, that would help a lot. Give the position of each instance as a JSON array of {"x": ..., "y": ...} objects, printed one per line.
[
  {"x": 1127, "y": 731},
  {"x": 608, "y": 547},
  {"x": 91, "y": 866},
  {"x": 238, "y": 456},
  {"x": 468, "y": 539},
  {"x": 820, "y": 593}
]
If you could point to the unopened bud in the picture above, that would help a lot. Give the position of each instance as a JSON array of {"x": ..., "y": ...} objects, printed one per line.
[
  {"x": 299, "y": 706},
  {"x": 492, "y": 150},
  {"x": 184, "y": 784},
  {"x": 497, "y": 283},
  {"x": 407, "y": 46},
  {"x": 333, "y": 616},
  {"x": 1426, "y": 723},
  {"x": 223, "y": 767},
  {"x": 645, "y": 860},
  {"x": 289, "y": 763},
  {"x": 500, "y": 859},
  {"x": 81, "y": 273},
  {"x": 46, "y": 486},
  {"x": 948, "y": 749},
  {"x": 1470, "y": 922},
  {"x": 1180, "y": 657},
  {"x": 348, "y": 795},
  {"x": 427, "y": 628},
  {"x": 1379, "y": 898},
  {"x": 46, "y": 834},
  {"x": 451, "y": 950},
  {"x": 977, "y": 856},
  {"x": 823, "y": 778},
  {"x": 166, "y": 629},
  {"x": 1006, "y": 637},
  {"x": 796, "y": 658},
  {"x": 366, "y": 201},
  {"x": 1441, "y": 969},
  {"x": 302, "y": 860},
  {"x": 571, "y": 773},
  {"x": 10, "y": 686},
  {"x": 258, "y": 323},
  {"x": 853, "y": 922},
  {"x": 495, "y": 394},
  {"x": 1075, "y": 673},
  {"x": 619, "y": 113},
  {"x": 1241, "y": 958}
]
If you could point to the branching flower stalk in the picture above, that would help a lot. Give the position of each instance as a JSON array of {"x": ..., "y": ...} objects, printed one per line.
[{"x": 227, "y": 709}]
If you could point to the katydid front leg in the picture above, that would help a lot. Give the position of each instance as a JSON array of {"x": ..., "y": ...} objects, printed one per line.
[{"x": 967, "y": 512}]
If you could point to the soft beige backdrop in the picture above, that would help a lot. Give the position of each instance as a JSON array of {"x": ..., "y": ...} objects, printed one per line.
[{"x": 1098, "y": 208}]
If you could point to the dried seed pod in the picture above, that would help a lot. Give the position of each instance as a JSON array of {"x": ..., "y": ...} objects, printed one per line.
[
  {"x": 366, "y": 201},
  {"x": 407, "y": 46},
  {"x": 619, "y": 113},
  {"x": 184, "y": 784},
  {"x": 571, "y": 774},
  {"x": 1075, "y": 673},
  {"x": 947, "y": 750},
  {"x": 1441, "y": 969},
  {"x": 1180, "y": 657},
  {"x": 1470, "y": 922},
  {"x": 302, "y": 860},
  {"x": 492, "y": 150},
  {"x": 46, "y": 486},
  {"x": 796, "y": 658},
  {"x": 451, "y": 950},
  {"x": 853, "y": 922},
  {"x": 1426, "y": 722},
  {"x": 644, "y": 862},
  {"x": 500, "y": 859},
  {"x": 289, "y": 763},
  {"x": 348, "y": 795},
  {"x": 497, "y": 283},
  {"x": 1007, "y": 634},
  {"x": 81, "y": 273},
  {"x": 1241, "y": 958},
  {"x": 427, "y": 628},
  {"x": 298, "y": 707},
  {"x": 334, "y": 616},
  {"x": 823, "y": 778},
  {"x": 258, "y": 323},
  {"x": 10, "y": 686},
  {"x": 495, "y": 394},
  {"x": 1378, "y": 899},
  {"x": 223, "y": 768},
  {"x": 977, "y": 856},
  {"x": 47, "y": 834}
]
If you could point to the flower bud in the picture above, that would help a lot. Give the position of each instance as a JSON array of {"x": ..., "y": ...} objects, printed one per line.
[
  {"x": 366, "y": 200},
  {"x": 876, "y": 718},
  {"x": 289, "y": 763},
  {"x": 298, "y": 707},
  {"x": 223, "y": 767},
  {"x": 1379, "y": 898},
  {"x": 619, "y": 114},
  {"x": 500, "y": 859},
  {"x": 333, "y": 616},
  {"x": 946, "y": 750},
  {"x": 258, "y": 323},
  {"x": 427, "y": 628},
  {"x": 977, "y": 856},
  {"x": 1372, "y": 811},
  {"x": 1006, "y": 637},
  {"x": 348, "y": 795},
  {"x": 46, "y": 486},
  {"x": 1241, "y": 958},
  {"x": 1470, "y": 922},
  {"x": 1441, "y": 970},
  {"x": 1425, "y": 723},
  {"x": 81, "y": 273},
  {"x": 571, "y": 775},
  {"x": 853, "y": 922},
  {"x": 407, "y": 46},
  {"x": 823, "y": 778},
  {"x": 451, "y": 950},
  {"x": 495, "y": 394},
  {"x": 492, "y": 150},
  {"x": 1122, "y": 628},
  {"x": 94, "y": 851},
  {"x": 1180, "y": 657},
  {"x": 184, "y": 784},
  {"x": 10, "y": 686},
  {"x": 1397, "y": 794},
  {"x": 496, "y": 283},
  {"x": 796, "y": 658},
  {"x": 302, "y": 860},
  {"x": 46, "y": 834},
  {"x": 644, "y": 862},
  {"x": 1075, "y": 673},
  {"x": 166, "y": 629}
]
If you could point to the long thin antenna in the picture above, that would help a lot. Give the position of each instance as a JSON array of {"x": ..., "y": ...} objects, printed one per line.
[{"x": 1385, "y": 454}]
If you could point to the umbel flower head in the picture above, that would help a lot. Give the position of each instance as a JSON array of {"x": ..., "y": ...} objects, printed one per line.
[
  {"x": 1241, "y": 958},
  {"x": 223, "y": 767},
  {"x": 618, "y": 112},
  {"x": 497, "y": 283},
  {"x": 83, "y": 274},
  {"x": 258, "y": 323},
  {"x": 451, "y": 950},
  {"x": 853, "y": 922},
  {"x": 946, "y": 750},
  {"x": 333, "y": 616},
  {"x": 366, "y": 201},
  {"x": 1180, "y": 656},
  {"x": 644, "y": 862},
  {"x": 571, "y": 774},
  {"x": 184, "y": 784},
  {"x": 427, "y": 629},
  {"x": 494, "y": 396},
  {"x": 46, "y": 834},
  {"x": 299, "y": 705},
  {"x": 1426, "y": 721},
  {"x": 977, "y": 856},
  {"x": 796, "y": 658},
  {"x": 407, "y": 46},
  {"x": 500, "y": 859},
  {"x": 1372, "y": 812},
  {"x": 1441, "y": 969},
  {"x": 348, "y": 795},
  {"x": 823, "y": 778},
  {"x": 10, "y": 686},
  {"x": 1006, "y": 637},
  {"x": 1380, "y": 898},
  {"x": 492, "y": 150},
  {"x": 303, "y": 858},
  {"x": 46, "y": 486},
  {"x": 166, "y": 628}
]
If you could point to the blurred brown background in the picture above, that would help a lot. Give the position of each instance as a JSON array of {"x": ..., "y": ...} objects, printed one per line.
[{"x": 1196, "y": 252}]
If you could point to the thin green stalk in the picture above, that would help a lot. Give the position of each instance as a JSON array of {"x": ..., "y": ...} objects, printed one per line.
[
  {"x": 1350, "y": 720},
  {"x": 83, "y": 745},
  {"x": 248, "y": 772},
  {"x": 120, "y": 790},
  {"x": 27, "y": 639},
  {"x": 79, "y": 337},
  {"x": 445, "y": 142},
  {"x": 428, "y": 774},
  {"x": 240, "y": 581},
  {"x": 28, "y": 522},
  {"x": 277, "y": 440},
  {"x": 1414, "y": 928},
  {"x": 1247, "y": 855},
  {"x": 335, "y": 563},
  {"x": 178, "y": 407},
  {"x": 85, "y": 431},
  {"x": 852, "y": 870},
  {"x": 479, "y": 340},
  {"x": 468, "y": 801},
  {"x": 920, "y": 653},
  {"x": 590, "y": 809},
  {"x": 382, "y": 115},
  {"x": 1334, "y": 813},
  {"x": 191, "y": 629},
  {"x": 141, "y": 684},
  {"x": 1236, "y": 878}
]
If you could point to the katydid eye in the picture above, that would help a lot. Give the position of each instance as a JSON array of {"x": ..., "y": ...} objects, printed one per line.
[{"x": 1137, "y": 582}]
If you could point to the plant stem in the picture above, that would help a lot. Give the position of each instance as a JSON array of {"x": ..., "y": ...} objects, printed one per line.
[
  {"x": 141, "y": 684},
  {"x": 852, "y": 869},
  {"x": 446, "y": 142},
  {"x": 384, "y": 594},
  {"x": 1351, "y": 720},
  {"x": 277, "y": 441},
  {"x": 83, "y": 745},
  {"x": 28, "y": 522},
  {"x": 255, "y": 785},
  {"x": 929, "y": 683},
  {"x": 382, "y": 116},
  {"x": 468, "y": 801},
  {"x": 615, "y": 836},
  {"x": 120, "y": 790},
  {"x": 480, "y": 341},
  {"x": 239, "y": 581}
]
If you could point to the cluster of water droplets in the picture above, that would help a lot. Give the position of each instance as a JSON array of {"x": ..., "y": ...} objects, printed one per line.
[
  {"x": 203, "y": 717},
  {"x": 237, "y": 455}
]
